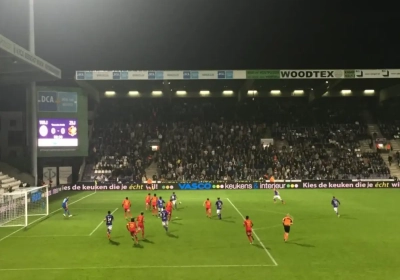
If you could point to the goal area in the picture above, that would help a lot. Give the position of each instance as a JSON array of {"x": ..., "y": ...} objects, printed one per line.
[{"x": 23, "y": 206}]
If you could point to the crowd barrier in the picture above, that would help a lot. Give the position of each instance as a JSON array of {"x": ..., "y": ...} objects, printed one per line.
[{"x": 233, "y": 185}]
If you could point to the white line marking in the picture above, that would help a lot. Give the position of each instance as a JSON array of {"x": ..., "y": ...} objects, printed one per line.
[
  {"x": 258, "y": 239},
  {"x": 46, "y": 236},
  {"x": 101, "y": 223},
  {"x": 55, "y": 211},
  {"x": 132, "y": 267}
]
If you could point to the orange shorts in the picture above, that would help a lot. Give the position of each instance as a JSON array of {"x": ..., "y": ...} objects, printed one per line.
[
  {"x": 127, "y": 210},
  {"x": 208, "y": 209},
  {"x": 147, "y": 202},
  {"x": 133, "y": 233},
  {"x": 249, "y": 232},
  {"x": 154, "y": 206},
  {"x": 140, "y": 227}
]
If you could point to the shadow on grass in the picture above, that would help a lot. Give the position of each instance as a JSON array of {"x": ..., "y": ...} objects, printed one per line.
[
  {"x": 169, "y": 234},
  {"x": 115, "y": 243},
  {"x": 301, "y": 244},
  {"x": 259, "y": 246},
  {"x": 137, "y": 246},
  {"x": 37, "y": 222},
  {"x": 147, "y": 241},
  {"x": 227, "y": 220}
]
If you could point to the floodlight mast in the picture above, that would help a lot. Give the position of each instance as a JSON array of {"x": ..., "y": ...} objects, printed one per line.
[
  {"x": 33, "y": 97},
  {"x": 31, "y": 27}
]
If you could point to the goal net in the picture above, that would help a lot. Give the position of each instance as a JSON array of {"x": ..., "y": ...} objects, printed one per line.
[{"x": 22, "y": 207}]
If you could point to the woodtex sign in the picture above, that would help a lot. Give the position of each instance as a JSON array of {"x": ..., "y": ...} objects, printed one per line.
[{"x": 260, "y": 74}]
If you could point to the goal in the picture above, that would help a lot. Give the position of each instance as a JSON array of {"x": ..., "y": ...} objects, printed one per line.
[{"x": 23, "y": 206}]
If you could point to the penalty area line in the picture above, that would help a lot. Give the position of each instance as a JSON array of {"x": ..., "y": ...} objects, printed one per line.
[
  {"x": 255, "y": 234},
  {"x": 37, "y": 220},
  {"x": 102, "y": 222},
  {"x": 137, "y": 267}
]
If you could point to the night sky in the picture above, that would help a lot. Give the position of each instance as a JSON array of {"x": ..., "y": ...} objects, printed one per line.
[{"x": 205, "y": 34}]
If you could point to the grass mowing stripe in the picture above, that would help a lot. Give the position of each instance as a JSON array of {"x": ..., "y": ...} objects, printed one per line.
[
  {"x": 136, "y": 267},
  {"x": 55, "y": 211},
  {"x": 101, "y": 223},
  {"x": 45, "y": 236},
  {"x": 261, "y": 228},
  {"x": 255, "y": 234}
]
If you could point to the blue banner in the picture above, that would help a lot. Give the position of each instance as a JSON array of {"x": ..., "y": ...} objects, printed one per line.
[
  {"x": 194, "y": 75},
  {"x": 151, "y": 75},
  {"x": 195, "y": 186},
  {"x": 155, "y": 75},
  {"x": 52, "y": 101},
  {"x": 221, "y": 74},
  {"x": 88, "y": 75},
  {"x": 186, "y": 75},
  {"x": 47, "y": 101},
  {"x": 67, "y": 102},
  {"x": 225, "y": 74},
  {"x": 159, "y": 75},
  {"x": 80, "y": 75},
  {"x": 124, "y": 75},
  {"x": 116, "y": 75}
]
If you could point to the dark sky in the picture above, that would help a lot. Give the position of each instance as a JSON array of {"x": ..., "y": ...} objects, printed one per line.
[{"x": 206, "y": 34}]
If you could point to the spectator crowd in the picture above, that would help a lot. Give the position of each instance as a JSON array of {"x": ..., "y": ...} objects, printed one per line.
[{"x": 222, "y": 141}]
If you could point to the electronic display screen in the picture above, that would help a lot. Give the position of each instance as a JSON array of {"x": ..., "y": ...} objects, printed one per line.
[{"x": 58, "y": 133}]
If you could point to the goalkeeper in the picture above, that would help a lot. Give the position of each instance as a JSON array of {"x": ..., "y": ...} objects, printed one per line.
[{"x": 64, "y": 206}]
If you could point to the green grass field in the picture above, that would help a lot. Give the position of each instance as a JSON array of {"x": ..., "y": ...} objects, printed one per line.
[{"x": 362, "y": 244}]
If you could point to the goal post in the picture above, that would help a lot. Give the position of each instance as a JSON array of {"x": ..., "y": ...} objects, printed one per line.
[{"x": 24, "y": 206}]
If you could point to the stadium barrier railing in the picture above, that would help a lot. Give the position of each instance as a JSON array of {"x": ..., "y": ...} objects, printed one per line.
[{"x": 233, "y": 185}]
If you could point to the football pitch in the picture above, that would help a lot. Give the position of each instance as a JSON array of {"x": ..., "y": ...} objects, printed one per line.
[{"x": 362, "y": 244}]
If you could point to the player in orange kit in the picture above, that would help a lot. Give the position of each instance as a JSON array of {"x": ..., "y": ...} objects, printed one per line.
[
  {"x": 169, "y": 207},
  {"x": 287, "y": 223},
  {"x": 126, "y": 204},
  {"x": 132, "y": 228},
  {"x": 140, "y": 222},
  {"x": 148, "y": 200},
  {"x": 207, "y": 204},
  {"x": 154, "y": 205},
  {"x": 248, "y": 225}
]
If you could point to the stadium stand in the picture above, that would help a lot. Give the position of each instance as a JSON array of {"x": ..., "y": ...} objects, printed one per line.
[
  {"x": 203, "y": 140},
  {"x": 7, "y": 183},
  {"x": 118, "y": 146},
  {"x": 389, "y": 121},
  {"x": 389, "y": 125}
]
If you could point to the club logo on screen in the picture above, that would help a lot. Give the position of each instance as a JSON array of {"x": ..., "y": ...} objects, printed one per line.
[
  {"x": 43, "y": 130},
  {"x": 72, "y": 130}
]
